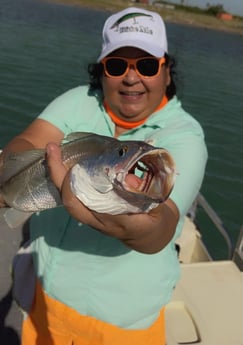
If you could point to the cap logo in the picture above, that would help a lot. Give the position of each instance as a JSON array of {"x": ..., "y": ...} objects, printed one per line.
[
  {"x": 134, "y": 27},
  {"x": 116, "y": 25}
]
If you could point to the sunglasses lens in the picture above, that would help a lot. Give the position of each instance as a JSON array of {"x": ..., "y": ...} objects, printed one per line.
[
  {"x": 116, "y": 67},
  {"x": 148, "y": 67}
]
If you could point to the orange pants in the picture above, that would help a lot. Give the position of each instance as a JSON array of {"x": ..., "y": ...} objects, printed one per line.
[{"x": 53, "y": 323}]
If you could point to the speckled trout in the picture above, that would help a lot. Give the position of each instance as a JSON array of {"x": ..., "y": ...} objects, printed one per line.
[{"x": 107, "y": 175}]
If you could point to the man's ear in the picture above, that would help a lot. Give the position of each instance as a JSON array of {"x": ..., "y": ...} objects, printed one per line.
[{"x": 168, "y": 77}]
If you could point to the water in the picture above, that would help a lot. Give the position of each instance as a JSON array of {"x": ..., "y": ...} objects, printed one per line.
[{"x": 45, "y": 49}]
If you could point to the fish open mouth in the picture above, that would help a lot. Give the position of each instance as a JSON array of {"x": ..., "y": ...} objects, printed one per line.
[{"x": 152, "y": 175}]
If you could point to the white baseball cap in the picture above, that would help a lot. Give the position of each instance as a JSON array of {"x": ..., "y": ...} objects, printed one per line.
[{"x": 134, "y": 27}]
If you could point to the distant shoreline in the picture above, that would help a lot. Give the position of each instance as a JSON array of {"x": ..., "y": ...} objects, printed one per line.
[{"x": 169, "y": 15}]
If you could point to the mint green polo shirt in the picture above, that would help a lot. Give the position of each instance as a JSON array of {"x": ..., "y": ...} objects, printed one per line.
[{"x": 98, "y": 275}]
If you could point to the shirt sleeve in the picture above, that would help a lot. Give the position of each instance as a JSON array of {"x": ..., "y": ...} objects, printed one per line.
[{"x": 64, "y": 110}]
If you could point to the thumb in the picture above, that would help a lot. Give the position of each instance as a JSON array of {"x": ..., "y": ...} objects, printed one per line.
[{"x": 55, "y": 164}]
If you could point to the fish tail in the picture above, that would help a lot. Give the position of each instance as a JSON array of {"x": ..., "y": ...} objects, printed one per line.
[{"x": 15, "y": 218}]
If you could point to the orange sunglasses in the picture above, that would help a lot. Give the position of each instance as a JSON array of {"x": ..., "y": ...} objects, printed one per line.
[{"x": 146, "y": 67}]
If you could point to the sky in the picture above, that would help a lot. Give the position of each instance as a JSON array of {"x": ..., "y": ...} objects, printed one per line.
[{"x": 232, "y": 6}]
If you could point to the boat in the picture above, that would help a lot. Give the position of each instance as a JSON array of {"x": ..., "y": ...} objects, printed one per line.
[{"x": 206, "y": 307}]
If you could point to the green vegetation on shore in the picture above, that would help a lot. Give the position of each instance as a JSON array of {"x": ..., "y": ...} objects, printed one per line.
[{"x": 180, "y": 14}]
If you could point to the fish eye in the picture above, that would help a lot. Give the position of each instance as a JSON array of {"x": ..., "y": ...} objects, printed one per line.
[{"x": 123, "y": 150}]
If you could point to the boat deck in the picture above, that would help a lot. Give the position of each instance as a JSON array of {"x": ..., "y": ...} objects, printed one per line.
[{"x": 207, "y": 305}]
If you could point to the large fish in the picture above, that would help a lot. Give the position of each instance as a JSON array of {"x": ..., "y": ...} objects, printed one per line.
[{"x": 107, "y": 175}]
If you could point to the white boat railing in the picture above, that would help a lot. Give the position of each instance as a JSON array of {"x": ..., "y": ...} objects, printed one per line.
[
  {"x": 238, "y": 253},
  {"x": 212, "y": 215}
]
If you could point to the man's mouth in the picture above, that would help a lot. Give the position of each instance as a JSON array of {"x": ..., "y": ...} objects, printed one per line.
[{"x": 131, "y": 93}]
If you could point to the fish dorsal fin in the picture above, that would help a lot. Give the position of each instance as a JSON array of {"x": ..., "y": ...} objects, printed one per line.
[
  {"x": 15, "y": 162},
  {"x": 77, "y": 135}
]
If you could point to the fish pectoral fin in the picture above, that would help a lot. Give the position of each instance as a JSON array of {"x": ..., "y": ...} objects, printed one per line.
[{"x": 15, "y": 218}]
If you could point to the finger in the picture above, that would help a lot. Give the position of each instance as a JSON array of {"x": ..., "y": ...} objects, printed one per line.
[{"x": 55, "y": 164}]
